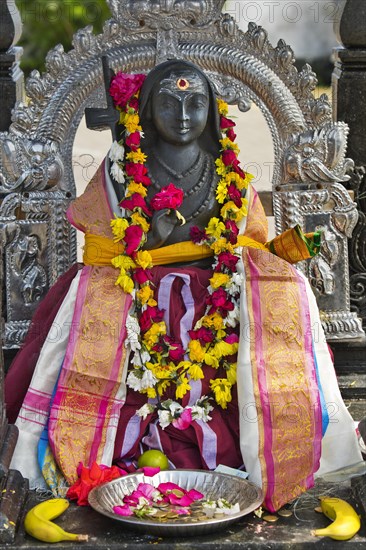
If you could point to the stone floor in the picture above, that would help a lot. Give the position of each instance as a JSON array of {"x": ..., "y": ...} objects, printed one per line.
[{"x": 250, "y": 532}]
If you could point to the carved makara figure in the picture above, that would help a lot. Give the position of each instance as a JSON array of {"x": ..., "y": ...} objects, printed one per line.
[{"x": 318, "y": 156}]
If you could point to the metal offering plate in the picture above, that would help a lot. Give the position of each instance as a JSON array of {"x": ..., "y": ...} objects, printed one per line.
[{"x": 213, "y": 485}]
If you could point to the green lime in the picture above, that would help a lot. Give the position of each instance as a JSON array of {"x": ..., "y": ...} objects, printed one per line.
[{"x": 154, "y": 459}]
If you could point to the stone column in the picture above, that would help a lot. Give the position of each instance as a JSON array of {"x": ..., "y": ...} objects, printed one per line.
[
  {"x": 349, "y": 105},
  {"x": 13, "y": 488}
]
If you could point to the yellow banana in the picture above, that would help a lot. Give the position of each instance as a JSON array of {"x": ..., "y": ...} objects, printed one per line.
[
  {"x": 346, "y": 522},
  {"x": 38, "y": 522}
]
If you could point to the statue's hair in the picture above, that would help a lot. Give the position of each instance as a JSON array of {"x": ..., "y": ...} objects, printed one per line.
[{"x": 211, "y": 135}]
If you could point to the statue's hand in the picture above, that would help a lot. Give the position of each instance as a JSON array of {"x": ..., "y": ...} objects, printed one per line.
[{"x": 163, "y": 224}]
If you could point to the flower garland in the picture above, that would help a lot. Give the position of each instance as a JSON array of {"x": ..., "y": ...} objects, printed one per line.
[{"x": 158, "y": 360}]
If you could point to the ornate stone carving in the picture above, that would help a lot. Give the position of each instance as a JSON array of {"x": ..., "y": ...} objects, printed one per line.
[
  {"x": 36, "y": 250},
  {"x": 317, "y": 156},
  {"x": 27, "y": 165},
  {"x": 166, "y": 14},
  {"x": 245, "y": 68}
]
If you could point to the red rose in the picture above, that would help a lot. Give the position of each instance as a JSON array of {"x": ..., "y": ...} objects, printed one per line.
[
  {"x": 226, "y": 123},
  {"x": 220, "y": 300},
  {"x": 228, "y": 157},
  {"x": 232, "y": 231},
  {"x": 228, "y": 260},
  {"x": 149, "y": 316},
  {"x": 132, "y": 238},
  {"x": 203, "y": 334},
  {"x": 133, "y": 103},
  {"x": 124, "y": 86},
  {"x": 231, "y": 134},
  {"x": 136, "y": 201},
  {"x": 197, "y": 235},
  {"x": 238, "y": 170},
  {"x": 176, "y": 350},
  {"x": 138, "y": 172},
  {"x": 141, "y": 276},
  {"x": 169, "y": 197},
  {"x": 133, "y": 141}
]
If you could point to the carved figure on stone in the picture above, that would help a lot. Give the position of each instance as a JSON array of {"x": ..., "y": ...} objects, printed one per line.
[
  {"x": 318, "y": 156},
  {"x": 24, "y": 250},
  {"x": 27, "y": 165},
  {"x": 184, "y": 326}
]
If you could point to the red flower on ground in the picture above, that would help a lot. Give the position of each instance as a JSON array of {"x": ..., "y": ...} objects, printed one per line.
[
  {"x": 90, "y": 478},
  {"x": 169, "y": 197}
]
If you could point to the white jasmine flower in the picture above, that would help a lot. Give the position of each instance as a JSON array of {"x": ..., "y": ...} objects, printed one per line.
[
  {"x": 134, "y": 380},
  {"x": 164, "y": 418},
  {"x": 116, "y": 152},
  {"x": 141, "y": 358},
  {"x": 145, "y": 410},
  {"x": 175, "y": 407},
  {"x": 139, "y": 379},
  {"x": 117, "y": 173},
  {"x": 233, "y": 317},
  {"x": 148, "y": 380},
  {"x": 133, "y": 332}
]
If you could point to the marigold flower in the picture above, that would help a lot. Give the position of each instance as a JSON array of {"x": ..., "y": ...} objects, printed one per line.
[
  {"x": 214, "y": 320},
  {"x": 219, "y": 279},
  {"x": 196, "y": 372},
  {"x": 141, "y": 221},
  {"x": 228, "y": 144},
  {"x": 215, "y": 228},
  {"x": 123, "y": 262},
  {"x": 134, "y": 187},
  {"x": 119, "y": 226},
  {"x": 143, "y": 259},
  {"x": 222, "y": 107},
  {"x": 221, "y": 388},
  {"x": 231, "y": 373},
  {"x": 221, "y": 245},
  {"x": 221, "y": 349},
  {"x": 196, "y": 351},
  {"x": 221, "y": 191},
  {"x": 182, "y": 387},
  {"x": 126, "y": 283},
  {"x": 153, "y": 334},
  {"x": 145, "y": 296},
  {"x": 231, "y": 211},
  {"x": 220, "y": 167},
  {"x": 212, "y": 360},
  {"x": 131, "y": 122},
  {"x": 136, "y": 156}
]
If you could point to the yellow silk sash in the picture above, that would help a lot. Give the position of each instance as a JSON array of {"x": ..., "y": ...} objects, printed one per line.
[{"x": 292, "y": 246}]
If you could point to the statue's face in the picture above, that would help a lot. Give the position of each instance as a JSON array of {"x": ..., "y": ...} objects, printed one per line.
[{"x": 180, "y": 108}]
